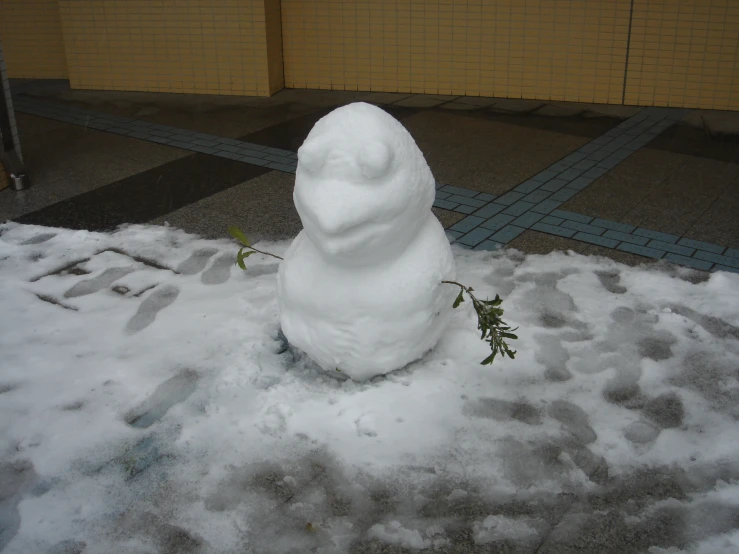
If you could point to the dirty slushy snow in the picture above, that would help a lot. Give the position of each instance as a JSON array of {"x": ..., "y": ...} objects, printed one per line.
[{"x": 147, "y": 404}]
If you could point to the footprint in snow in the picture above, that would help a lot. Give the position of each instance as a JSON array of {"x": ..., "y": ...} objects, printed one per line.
[
  {"x": 154, "y": 303},
  {"x": 220, "y": 271},
  {"x": 38, "y": 239},
  {"x": 173, "y": 391},
  {"x": 197, "y": 261},
  {"x": 102, "y": 281}
]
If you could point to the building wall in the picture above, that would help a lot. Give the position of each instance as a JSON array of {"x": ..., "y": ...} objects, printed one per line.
[
  {"x": 684, "y": 53},
  {"x": 680, "y": 52},
  {"x": 194, "y": 46},
  {"x": 548, "y": 49},
  {"x": 31, "y": 32}
]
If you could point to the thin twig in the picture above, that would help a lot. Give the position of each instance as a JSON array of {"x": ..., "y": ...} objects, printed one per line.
[{"x": 265, "y": 253}]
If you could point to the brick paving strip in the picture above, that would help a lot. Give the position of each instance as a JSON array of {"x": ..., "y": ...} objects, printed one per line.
[{"x": 491, "y": 221}]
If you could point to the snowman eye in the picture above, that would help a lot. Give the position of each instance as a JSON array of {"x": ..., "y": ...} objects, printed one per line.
[
  {"x": 375, "y": 159},
  {"x": 311, "y": 157}
]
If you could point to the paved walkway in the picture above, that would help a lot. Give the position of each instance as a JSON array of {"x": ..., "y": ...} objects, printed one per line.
[{"x": 537, "y": 203}]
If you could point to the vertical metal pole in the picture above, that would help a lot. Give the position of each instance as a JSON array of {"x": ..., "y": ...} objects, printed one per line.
[{"x": 11, "y": 157}]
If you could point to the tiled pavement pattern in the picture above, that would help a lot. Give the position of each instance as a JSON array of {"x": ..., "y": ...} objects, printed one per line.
[
  {"x": 256, "y": 154},
  {"x": 491, "y": 221}
]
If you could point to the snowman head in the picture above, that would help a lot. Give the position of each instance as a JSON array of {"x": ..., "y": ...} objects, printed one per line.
[{"x": 363, "y": 188}]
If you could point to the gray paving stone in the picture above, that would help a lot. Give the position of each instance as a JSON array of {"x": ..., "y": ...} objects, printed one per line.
[
  {"x": 551, "y": 220},
  {"x": 255, "y": 153},
  {"x": 229, "y": 155},
  {"x": 457, "y": 190},
  {"x": 574, "y": 157},
  {"x": 589, "y": 148},
  {"x": 554, "y": 185},
  {"x": 281, "y": 167},
  {"x": 621, "y": 154},
  {"x": 595, "y": 239},
  {"x": 528, "y": 186},
  {"x": 700, "y": 245},
  {"x": 527, "y": 219},
  {"x": 733, "y": 252},
  {"x": 467, "y": 224},
  {"x": 607, "y": 224},
  {"x": 278, "y": 159},
  {"x": 509, "y": 198},
  {"x": 560, "y": 166},
  {"x": 183, "y": 138},
  {"x": 489, "y": 245},
  {"x": 609, "y": 163},
  {"x": 485, "y": 197},
  {"x": 231, "y": 148},
  {"x": 545, "y": 175},
  {"x": 583, "y": 227},
  {"x": 717, "y": 258},
  {"x": 564, "y": 195},
  {"x": 595, "y": 172},
  {"x": 453, "y": 235},
  {"x": 475, "y": 237},
  {"x": 459, "y": 199},
  {"x": 641, "y": 250},
  {"x": 665, "y": 237},
  {"x": 277, "y": 151},
  {"x": 203, "y": 149},
  {"x": 599, "y": 156},
  {"x": 465, "y": 209},
  {"x": 584, "y": 164},
  {"x": 553, "y": 230},
  {"x": 497, "y": 222},
  {"x": 253, "y": 146},
  {"x": 507, "y": 234},
  {"x": 669, "y": 247},
  {"x": 537, "y": 196},
  {"x": 718, "y": 267},
  {"x": 257, "y": 161},
  {"x": 140, "y": 135},
  {"x": 570, "y": 174},
  {"x": 572, "y": 216},
  {"x": 161, "y": 133},
  {"x": 230, "y": 141},
  {"x": 518, "y": 208},
  {"x": 443, "y": 204},
  {"x": 546, "y": 206},
  {"x": 690, "y": 262},
  {"x": 442, "y": 195},
  {"x": 160, "y": 140},
  {"x": 580, "y": 183},
  {"x": 626, "y": 237},
  {"x": 490, "y": 210}
]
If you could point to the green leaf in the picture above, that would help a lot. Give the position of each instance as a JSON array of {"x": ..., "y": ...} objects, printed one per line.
[
  {"x": 239, "y": 235},
  {"x": 459, "y": 300},
  {"x": 488, "y": 360},
  {"x": 509, "y": 335}
]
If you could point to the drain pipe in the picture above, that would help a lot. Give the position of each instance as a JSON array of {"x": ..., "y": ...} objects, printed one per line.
[{"x": 11, "y": 157}]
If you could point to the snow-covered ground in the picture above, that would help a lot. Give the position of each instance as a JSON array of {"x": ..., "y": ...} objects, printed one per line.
[{"x": 147, "y": 405}]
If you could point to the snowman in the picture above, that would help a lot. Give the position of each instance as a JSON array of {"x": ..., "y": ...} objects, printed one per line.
[{"x": 360, "y": 288}]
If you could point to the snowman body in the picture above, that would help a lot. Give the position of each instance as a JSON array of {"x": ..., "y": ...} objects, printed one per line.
[{"x": 360, "y": 289}]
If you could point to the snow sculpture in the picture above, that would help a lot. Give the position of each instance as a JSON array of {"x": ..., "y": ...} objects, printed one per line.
[{"x": 360, "y": 287}]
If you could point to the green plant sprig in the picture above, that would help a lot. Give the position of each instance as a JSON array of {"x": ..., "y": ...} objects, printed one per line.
[
  {"x": 239, "y": 235},
  {"x": 489, "y": 321}
]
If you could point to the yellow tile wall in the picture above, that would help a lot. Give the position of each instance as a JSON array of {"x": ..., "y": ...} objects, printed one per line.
[
  {"x": 31, "y": 32},
  {"x": 193, "y": 46},
  {"x": 684, "y": 53},
  {"x": 546, "y": 49}
]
